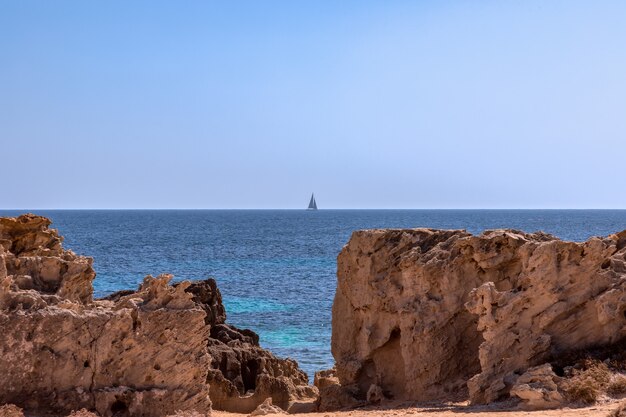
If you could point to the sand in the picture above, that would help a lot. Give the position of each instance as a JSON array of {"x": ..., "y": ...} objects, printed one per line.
[{"x": 400, "y": 410}]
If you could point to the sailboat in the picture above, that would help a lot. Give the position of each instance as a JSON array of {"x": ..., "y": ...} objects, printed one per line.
[{"x": 312, "y": 203}]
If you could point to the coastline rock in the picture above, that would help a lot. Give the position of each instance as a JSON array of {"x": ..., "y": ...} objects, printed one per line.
[
  {"x": 32, "y": 254},
  {"x": 566, "y": 296},
  {"x": 398, "y": 316},
  {"x": 144, "y": 355},
  {"x": 442, "y": 314},
  {"x": 150, "y": 352},
  {"x": 243, "y": 375}
]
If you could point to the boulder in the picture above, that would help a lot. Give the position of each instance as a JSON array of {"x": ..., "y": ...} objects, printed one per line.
[
  {"x": 538, "y": 389},
  {"x": 332, "y": 395},
  {"x": 266, "y": 407}
]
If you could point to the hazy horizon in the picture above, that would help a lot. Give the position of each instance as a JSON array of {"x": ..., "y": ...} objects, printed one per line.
[
  {"x": 247, "y": 105},
  {"x": 28, "y": 210}
]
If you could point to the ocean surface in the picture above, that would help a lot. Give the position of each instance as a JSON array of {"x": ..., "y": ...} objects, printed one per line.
[{"x": 275, "y": 268}]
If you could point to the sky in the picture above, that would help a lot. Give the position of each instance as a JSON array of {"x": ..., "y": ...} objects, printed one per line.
[{"x": 256, "y": 104}]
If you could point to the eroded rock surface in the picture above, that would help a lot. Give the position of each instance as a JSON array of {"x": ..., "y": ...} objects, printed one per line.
[
  {"x": 333, "y": 395},
  {"x": 32, "y": 255},
  {"x": 243, "y": 375},
  {"x": 538, "y": 389},
  {"x": 267, "y": 408},
  {"x": 149, "y": 352},
  {"x": 10, "y": 410},
  {"x": 438, "y": 314}
]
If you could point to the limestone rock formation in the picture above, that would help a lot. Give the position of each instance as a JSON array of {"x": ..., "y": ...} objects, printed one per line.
[
  {"x": 398, "y": 317},
  {"x": 149, "y": 352},
  {"x": 32, "y": 254},
  {"x": 243, "y": 375},
  {"x": 566, "y": 296},
  {"x": 442, "y": 314},
  {"x": 144, "y": 355}
]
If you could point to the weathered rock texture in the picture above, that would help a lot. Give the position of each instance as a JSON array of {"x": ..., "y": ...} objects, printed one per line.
[
  {"x": 332, "y": 395},
  {"x": 267, "y": 408},
  {"x": 145, "y": 354},
  {"x": 10, "y": 410},
  {"x": 242, "y": 374},
  {"x": 538, "y": 388},
  {"x": 437, "y": 314},
  {"x": 148, "y": 352}
]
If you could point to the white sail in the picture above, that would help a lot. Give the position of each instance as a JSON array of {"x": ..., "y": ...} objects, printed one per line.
[{"x": 312, "y": 203}]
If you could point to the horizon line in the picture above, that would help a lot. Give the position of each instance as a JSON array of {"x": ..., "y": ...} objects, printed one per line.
[{"x": 304, "y": 209}]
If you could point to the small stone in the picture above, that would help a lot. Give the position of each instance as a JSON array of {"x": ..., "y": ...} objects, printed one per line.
[{"x": 267, "y": 408}]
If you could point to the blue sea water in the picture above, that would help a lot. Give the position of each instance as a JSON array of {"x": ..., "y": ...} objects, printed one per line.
[{"x": 275, "y": 268}]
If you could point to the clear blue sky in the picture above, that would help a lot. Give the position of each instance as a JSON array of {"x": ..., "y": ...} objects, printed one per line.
[{"x": 405, "y": 104}]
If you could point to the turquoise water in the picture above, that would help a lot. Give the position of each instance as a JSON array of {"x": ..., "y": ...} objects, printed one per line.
[{"x": 275, "y": 268}]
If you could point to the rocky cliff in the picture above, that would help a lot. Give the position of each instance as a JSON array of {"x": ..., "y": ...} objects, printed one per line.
[
  {"x": 431, "y": 314},
  {"x": 148, "y": 352}
]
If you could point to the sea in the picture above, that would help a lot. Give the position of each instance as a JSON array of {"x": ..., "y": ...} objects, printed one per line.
[{"x": 276, "y": 269}]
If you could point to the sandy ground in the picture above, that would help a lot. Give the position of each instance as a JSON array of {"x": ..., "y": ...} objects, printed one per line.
[{"x": 455, "y": 411}]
